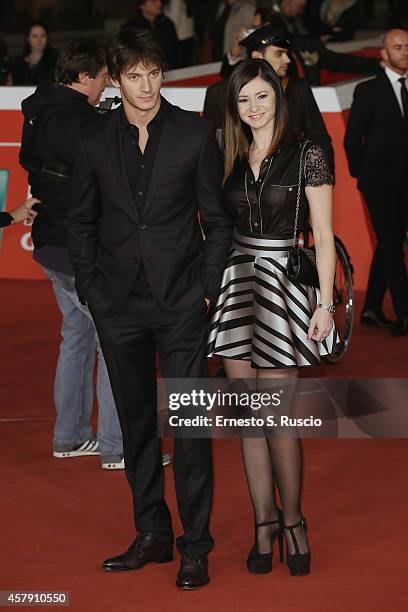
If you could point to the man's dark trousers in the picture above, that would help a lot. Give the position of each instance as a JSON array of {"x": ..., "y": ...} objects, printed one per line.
[
  {"x": 388, "y": 208},
  {"x": 129, "y": 338}
]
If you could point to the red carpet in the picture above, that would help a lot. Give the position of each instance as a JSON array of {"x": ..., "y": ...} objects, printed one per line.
[{"x": 61, "y": 518}]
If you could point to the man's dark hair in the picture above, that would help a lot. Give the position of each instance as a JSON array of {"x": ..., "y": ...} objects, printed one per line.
[
  {"x": 80, "y": 55},
  {"x": 129, "y": 48}
]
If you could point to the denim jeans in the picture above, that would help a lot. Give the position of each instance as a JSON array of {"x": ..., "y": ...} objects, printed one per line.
[{"x": 73, "y": 389}]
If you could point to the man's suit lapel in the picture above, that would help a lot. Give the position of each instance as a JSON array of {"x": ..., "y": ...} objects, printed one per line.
[
  {"x": 391, "y": 99},
  {"x": 164, "y": 151},
  {"x": 113, "y": 141}
]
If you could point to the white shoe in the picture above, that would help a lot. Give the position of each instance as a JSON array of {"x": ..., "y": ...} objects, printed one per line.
[
  {"x": 112, "y": 462},
  {"x": 166, "y": 459},
  {"x": 115, "y": 462},
  {"x": 87, "y": 448}
]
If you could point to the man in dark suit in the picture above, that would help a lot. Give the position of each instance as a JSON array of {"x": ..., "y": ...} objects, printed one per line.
[
  {"x": 150, "y": 17},
  {"x": 376, "y": 143},
  {"x": 269, "y": 42},
  {"x": 143, "y": 174}
]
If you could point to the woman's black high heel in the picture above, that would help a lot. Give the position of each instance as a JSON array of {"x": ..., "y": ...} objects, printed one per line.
[
  {"x": 261, "y": 563},
  {"x": 298, "y": 563}
]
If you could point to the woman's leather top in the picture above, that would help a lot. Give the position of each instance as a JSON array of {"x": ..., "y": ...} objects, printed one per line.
[{"x": 267, "y": 206}]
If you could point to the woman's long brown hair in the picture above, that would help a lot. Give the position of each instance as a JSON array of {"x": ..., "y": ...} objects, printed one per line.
[{"x": 236, "y": 135}]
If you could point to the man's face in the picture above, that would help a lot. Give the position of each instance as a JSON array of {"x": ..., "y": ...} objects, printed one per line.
[
  {"x": 152, "y": 8},
  {"x": 95, "y": 86},
  {"x": 395, "y": 51},
  {"x": 140, "y": 86},
  {"x": 293, "y": 8},
  {"x": 277, "y": 57}
]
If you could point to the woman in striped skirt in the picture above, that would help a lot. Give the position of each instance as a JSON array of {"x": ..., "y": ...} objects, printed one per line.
[{"x": 264, "y": 326}]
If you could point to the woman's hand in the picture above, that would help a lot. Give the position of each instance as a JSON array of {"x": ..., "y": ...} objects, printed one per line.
[{"x": 321, "y": 325}]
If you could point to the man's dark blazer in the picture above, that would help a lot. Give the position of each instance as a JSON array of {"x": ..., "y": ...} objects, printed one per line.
[
  {"x": 304, "y": 117},
  {"x": 376, "y": 139},
  {"x": 108, "y": 237}
]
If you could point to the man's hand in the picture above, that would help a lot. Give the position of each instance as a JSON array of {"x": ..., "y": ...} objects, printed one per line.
[
  {"x": 24, "y": 212},
  {"x": 237, "y": 50}
]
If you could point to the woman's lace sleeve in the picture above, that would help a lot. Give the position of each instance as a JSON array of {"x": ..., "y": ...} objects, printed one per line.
[{"x": 317, "y": 171}]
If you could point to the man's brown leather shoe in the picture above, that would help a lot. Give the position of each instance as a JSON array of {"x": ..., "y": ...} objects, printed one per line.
[
  {"x": 193, "y": 572},
  {"x": 145, "y": 549}
]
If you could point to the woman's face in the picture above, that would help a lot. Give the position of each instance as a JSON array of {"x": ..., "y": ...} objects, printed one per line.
[
  {"x": 37, "y": 39},
  {"x": 257, "y": 103}
]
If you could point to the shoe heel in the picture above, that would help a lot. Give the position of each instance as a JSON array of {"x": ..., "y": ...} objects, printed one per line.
[
  {"x": 165, "y": 556},
  {"x": 298, "y": 563},
  {"x": 280, "y": 542},
  {"x": 261, "y": 563}
]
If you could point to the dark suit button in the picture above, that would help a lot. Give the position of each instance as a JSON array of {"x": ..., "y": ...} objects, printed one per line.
[
  {"x": 133, "y": 260},
  {"x": 142, "y": 226}
]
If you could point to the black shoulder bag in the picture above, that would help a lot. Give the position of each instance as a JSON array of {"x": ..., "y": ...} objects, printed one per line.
[{"x": 301, "y": 266}]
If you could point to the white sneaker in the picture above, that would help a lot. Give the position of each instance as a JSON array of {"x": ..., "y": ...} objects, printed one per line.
[
  {"x": 112, "y": 462},
  {"x": 166, "y": 459},
  {"x": 89, "y": 447},
  {"x": 116, "y": 462}
]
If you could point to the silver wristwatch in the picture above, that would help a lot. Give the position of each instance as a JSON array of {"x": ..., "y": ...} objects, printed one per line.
[{"x": 329, "y": 307}]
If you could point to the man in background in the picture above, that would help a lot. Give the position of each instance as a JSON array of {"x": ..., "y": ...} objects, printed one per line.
[
  {"x": 52, "y": 116},
  {"x": 240, "y": 16},
  {"x": 376, "y": 143},
  {"x": 312, "y": 53},
  {"x": 149, "y": 16},
  {"x": 269, "y": 42}
]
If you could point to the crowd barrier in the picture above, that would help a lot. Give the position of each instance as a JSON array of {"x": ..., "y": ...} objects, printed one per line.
[{"x": 350, "y": 220}]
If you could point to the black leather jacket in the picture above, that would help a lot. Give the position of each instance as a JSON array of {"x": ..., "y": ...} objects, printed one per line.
[{"x": 267, "y": 206}]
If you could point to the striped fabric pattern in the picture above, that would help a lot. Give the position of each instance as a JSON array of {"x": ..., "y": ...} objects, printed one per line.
[{"x": 260, "y": 314}]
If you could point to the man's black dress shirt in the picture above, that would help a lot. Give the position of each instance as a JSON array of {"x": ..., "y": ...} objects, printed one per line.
[{"x": 139, "y": 166}]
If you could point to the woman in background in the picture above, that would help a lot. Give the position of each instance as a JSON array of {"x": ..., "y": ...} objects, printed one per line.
[{"x": 38, "y": 60}]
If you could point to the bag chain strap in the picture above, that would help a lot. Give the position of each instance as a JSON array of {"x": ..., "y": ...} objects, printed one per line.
[{"x": 298, "y": 192}]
